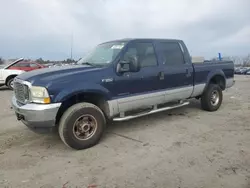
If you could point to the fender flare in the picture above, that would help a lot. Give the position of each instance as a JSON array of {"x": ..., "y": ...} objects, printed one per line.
[
  {"x": 212, "y": 74},
  {"x": 80, "y": 88}
]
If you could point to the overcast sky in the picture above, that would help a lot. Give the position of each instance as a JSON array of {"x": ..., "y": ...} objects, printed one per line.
[{"x": 43, "y": 28}]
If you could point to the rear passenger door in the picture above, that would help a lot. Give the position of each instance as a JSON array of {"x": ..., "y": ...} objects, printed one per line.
[{"x": 178, "y": 74}]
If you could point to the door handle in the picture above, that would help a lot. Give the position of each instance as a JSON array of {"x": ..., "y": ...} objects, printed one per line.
[
  {"x": 161, "y": 75},
  {"x": 188, "y": 73}
]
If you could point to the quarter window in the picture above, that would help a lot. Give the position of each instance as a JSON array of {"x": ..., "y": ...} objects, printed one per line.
[
  {"x": 33, "y": 65},
  {"x": 21, "y": 64}
]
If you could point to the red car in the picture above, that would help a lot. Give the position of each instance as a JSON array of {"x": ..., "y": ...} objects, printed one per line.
[{"x": 26, "y": 66}]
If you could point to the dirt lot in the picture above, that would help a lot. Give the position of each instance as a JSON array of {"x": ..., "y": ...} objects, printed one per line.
[{"x": 182, "y": 148}]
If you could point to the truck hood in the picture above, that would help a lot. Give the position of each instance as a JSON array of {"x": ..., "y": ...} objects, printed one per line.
[{"x": 45, "y": 76}]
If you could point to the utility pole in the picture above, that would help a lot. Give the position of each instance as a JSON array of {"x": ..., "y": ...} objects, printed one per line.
[{"x": 71, "y": 47}]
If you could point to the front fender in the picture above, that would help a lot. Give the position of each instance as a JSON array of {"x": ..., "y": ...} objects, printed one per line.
[
  {"x": 7, "y": 72},
  {"x": 75, "y": 89}
]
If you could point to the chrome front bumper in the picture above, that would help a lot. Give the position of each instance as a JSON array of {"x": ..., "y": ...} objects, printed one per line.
[{"x": 36, "y": 116}]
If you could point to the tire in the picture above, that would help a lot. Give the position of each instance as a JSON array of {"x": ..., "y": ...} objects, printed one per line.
[
  {"x": 208, "y": 102},
  {"x": 10, "y": 83},
  {"x": 68, "y": 126}
]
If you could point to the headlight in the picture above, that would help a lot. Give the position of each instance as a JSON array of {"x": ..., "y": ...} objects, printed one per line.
[{"x": 39, "y": 95}]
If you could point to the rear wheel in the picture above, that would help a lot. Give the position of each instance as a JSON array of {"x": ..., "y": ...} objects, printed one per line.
[
  {"x": 82, "y": 126},
  {"x": 212, "y": 98},
  {"x": 10, "y": 83}
]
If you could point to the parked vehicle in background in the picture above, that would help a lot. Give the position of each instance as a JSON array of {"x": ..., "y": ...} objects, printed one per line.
[
  {"x": 7, "y": 75},
  {"x": 248, "y": 72},
  {"x": 248, "y": 69},
  {"x": 236, "y": 70},
  {"x": 241, "y": 70},
  {"x": 119, "y": 80},
  {"x": 26, "y": 66}
]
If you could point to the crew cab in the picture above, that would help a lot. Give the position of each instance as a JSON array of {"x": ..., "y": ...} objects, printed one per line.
[
  {"x": 118, "y": 80},
  {"x": 7, "y": 75}
]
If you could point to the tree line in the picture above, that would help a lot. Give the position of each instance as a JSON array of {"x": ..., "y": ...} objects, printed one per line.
[
  {"x": 238, "y": 61},
  {"x": 244, "y": 61},
  {"x": 1, "y": 61},
  {"x": 41, "y": 61}
]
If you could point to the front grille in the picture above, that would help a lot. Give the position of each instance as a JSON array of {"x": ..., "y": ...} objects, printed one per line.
[{"x": 21, "y": 92}]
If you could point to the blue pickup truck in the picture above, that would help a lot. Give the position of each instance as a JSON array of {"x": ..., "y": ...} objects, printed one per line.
[{"x": 118, "y": 80}]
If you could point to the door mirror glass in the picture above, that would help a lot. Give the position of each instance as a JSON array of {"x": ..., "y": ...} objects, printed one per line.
[{"x": 129, "y": 65}]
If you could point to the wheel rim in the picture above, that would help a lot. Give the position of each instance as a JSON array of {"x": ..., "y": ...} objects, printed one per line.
[
  {"x": 12, "y": 84},
  {"x": 215, "y": 98},
  {"x": 85, "y": 127}
]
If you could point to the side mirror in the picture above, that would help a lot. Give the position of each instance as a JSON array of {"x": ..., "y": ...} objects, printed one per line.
[{"x": 131, "y": 65}]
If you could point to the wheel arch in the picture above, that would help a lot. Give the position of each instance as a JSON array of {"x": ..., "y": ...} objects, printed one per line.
[
  {"x": 216, "y": 77},
  {"x": 97, "y": 98},
  {"x": 10, "y": 77}
]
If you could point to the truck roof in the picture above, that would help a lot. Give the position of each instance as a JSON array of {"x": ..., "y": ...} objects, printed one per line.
[{"x": 144, "y": 39}]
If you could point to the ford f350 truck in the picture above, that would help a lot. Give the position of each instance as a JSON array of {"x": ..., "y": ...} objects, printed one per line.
[{"x": 118, "y": 80}]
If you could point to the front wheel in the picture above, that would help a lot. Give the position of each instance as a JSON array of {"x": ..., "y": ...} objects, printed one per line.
[
  {"x": 10, "y": 83},
  {"x": 82, "y": 126},
  {"x": 211, "y": 99}
]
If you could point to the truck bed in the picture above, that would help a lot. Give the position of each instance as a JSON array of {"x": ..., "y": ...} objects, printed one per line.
[{"x": 202, "y": 70}]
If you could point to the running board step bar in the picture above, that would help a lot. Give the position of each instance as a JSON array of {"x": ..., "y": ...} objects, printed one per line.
[{"x": 150, "y": 112}]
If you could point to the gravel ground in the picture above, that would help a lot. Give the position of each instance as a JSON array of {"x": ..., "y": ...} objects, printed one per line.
[{"x": 183, "y": 148}]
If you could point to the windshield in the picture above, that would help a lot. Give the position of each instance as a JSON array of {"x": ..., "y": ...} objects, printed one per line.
[{"x": 103, "y": 54}]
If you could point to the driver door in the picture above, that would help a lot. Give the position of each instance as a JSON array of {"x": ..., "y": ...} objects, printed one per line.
[{"x": 139, "y": 89}]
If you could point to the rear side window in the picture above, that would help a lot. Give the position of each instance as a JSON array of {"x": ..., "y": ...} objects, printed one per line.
[
  {"x": 171, "y": 53},
  {"x": 33, "y": 65},
  {"x": 145, "y": 53},
  {"x": 22, "y": 65}
]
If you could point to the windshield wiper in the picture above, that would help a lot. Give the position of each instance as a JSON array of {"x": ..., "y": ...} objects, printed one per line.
[
  {"x": 88, "y": 63},
  {"x": 92, "y": 64}
]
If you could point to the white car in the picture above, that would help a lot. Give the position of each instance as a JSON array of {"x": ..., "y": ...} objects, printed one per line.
[{"x": 7, "y": 75}]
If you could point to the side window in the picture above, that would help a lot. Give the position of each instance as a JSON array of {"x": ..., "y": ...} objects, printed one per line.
[
  {"x": 17, "y": 65},
  {"x": 33, "y": 65},
  {"x": 145, "y": 53},
  {"x": 171, "y": 53},
  {"x": 21, "y": 65},
  {"x": 26, "y": 65}
]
